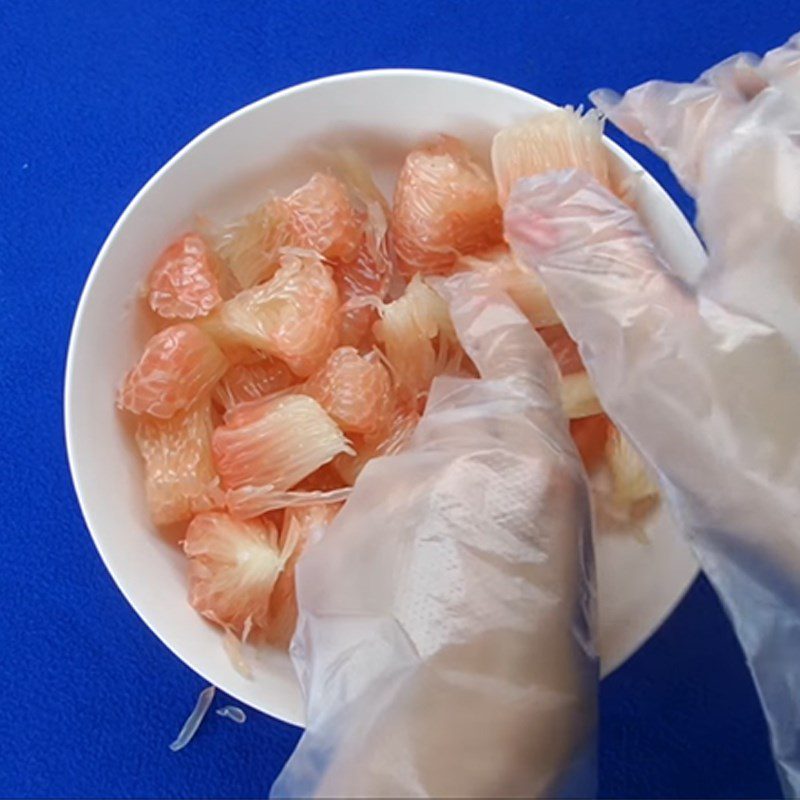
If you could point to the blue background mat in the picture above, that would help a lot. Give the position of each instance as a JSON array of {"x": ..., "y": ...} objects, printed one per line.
[{"x": 95, "y": 97}]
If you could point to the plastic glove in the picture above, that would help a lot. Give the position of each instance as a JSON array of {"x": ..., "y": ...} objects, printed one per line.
[
  {"x": 445, "y": 641},
  {"x": 687, "y": 123},
  {"x": 704, "y": 379}
]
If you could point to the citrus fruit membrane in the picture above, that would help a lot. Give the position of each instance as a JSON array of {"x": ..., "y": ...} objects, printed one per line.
[{"x": 300, "y": 341}]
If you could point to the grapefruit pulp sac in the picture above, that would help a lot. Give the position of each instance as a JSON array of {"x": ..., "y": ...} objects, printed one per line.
[
  {"x": 179, "y": 365},
  {"x": 183, "y": 281},
  {"x": 180, "y": 478},
  {"x": 355, "y": 390},
  {"x": 445, "y": 204}
]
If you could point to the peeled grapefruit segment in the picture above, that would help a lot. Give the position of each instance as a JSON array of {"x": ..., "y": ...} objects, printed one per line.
[
  {"x": 179, "y": 365},
  {"x": 183, "y": 281},
  {"x": 558, "y": 139},
  {"x": 322, "y": 218},
  {"x": 293, "y": 316},
  {"x": 180, "y": 478},
  {"x": 273, "y": 444},
  {"x": 418, "y": 338},
  {"x": 444, "y": 205},
  {"x": 233, "y": 567},
  {"x": 355, "y": 390},
  {"x": 250, "y": 246}
]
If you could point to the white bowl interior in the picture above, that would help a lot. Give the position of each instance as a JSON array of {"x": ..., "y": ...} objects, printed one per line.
[{"x": 275, "y": 144}]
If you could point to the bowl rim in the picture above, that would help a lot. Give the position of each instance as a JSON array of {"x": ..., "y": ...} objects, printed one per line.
[{"x": 71, "y": 446}]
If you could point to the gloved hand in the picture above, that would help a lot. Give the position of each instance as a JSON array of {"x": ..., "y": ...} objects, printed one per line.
[
  {"x": 445, "y": 643},
  {"x": 703, "y": 378}
]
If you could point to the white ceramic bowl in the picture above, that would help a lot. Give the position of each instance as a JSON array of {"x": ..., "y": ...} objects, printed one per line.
[{"x": 275, "y": 143}]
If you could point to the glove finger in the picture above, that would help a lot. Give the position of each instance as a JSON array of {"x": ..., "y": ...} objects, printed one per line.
[
  {"x": 504, "y": 347},
  {"x": 663, "y": 364},
  {"x": 677, "y": 121},
  {"x": 682, "y": 122},
  {"x": 494, "y": 332},
  {"x": 781, "y": 66},
  {"x": 747, "y": 212}
]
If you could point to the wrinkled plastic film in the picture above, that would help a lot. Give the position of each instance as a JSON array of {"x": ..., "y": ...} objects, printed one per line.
[
  {"x": 685, "y": 122},
  {"x": 704, "y": 379},
  {"x": 445, "y": 642},
  {"x": 732, "y": 139}
]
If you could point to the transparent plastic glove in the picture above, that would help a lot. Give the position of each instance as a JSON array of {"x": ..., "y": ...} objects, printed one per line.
[
  {"x": 705, "y": 380},
  {"x": 445, "y": 641},
  {"x": 685, "y": 123},
  {"x": 733, "y": 138}
]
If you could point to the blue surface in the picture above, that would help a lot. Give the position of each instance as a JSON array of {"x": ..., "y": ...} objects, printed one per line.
[{"x": 96, "y": 96}]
